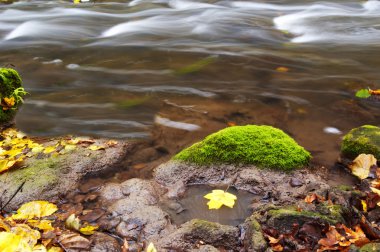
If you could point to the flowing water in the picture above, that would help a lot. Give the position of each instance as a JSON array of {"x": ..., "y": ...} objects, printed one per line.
[{"x": 112, "y": 69}]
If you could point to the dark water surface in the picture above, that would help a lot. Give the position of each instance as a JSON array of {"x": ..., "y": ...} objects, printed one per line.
[{"x": 117, "y": 69}]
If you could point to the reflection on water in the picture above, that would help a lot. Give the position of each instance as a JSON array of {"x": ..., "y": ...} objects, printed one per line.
[{"x": 108, "y": 68}]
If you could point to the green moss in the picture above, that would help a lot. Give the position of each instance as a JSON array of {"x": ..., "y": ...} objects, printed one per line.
[
  {"x": 9, "y": 81},
  {"x": 40, "y": 173},
  {"x": 370, "y": 247},
  {"x": 365, "y": 139},
  {"x": 284, "y": 218},
  {"x": 263, "y": 146}
]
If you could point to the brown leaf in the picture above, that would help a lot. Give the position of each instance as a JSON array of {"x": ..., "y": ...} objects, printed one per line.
[
  {"x": 73, "y": 241},
  {"x": 362, "y": 164}
]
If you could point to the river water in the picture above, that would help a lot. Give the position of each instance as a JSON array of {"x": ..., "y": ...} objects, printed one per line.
[{"x": 118, "y": 69}]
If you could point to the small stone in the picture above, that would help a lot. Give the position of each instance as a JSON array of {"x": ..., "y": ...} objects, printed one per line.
[
  {"x": 295, "y": 182},
  {"x": 101, "y": 242}
]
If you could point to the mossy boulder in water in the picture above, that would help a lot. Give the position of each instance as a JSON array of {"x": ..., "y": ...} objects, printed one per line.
[
  {"x": 364, "y": 139},
  {"x": 262, "y": 146},
  {"x": 9, "y": 82}
]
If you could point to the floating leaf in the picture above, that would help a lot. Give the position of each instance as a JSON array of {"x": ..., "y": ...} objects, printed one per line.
[
  {"x": 219, "y": 198},
  {"x": 72, "y": 222},
  {"x": 88, "y": 230},
  {"x": 151, "y": 248},
  {"x": 363, "y": 93},
  {"x": 282, "y": 69},
  {"x": 35, "y": 209},
  {"x": 362, "y": 164}
]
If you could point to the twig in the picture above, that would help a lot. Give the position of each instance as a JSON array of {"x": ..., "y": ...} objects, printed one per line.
[{"x": 11, "y": 198}]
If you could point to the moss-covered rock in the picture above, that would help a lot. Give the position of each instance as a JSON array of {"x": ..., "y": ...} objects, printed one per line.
[
  {"x": 9, "y": 82},
  {"x": 284, "y": 218},
  {"x": 370, "y": 247},
  {"x": 263, "y": 146},
  {"x": 364, "y": 139}
]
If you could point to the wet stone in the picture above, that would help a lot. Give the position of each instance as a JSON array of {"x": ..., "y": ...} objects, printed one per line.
[
  {"x": 101, "y": 242},
  {"x": 294, "y": 182},
  {"x": 111, "y": 191}
]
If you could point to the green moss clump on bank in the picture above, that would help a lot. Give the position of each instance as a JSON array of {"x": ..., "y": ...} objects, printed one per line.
[
  {"x": 9, "y": 81},
  {"x": 364, "y": 139},
  {"x": 263, "y": 146}
]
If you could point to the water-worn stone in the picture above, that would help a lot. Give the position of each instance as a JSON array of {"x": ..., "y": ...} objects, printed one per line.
[
  {"x": 174, "y": 175},
  {"x": 364, "y": 139},
  {"x": 47, "y": 178},
  {"x": 191, "y": 233},
  {"x": 111, "y": 191},
  {"x": 104, "y": 243}
]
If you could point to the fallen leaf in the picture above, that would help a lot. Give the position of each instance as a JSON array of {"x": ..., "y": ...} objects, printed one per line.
[
  {"x": 55, "y": 249},
  {"x": 314, "y": 197},
  {"x": 27, "y": 234},
  {"x": 6, "y": 164},
  {"x": 111, "y": 143},
  {"x": 362, "y": 164},
  {"x": 10, "y": 242},
  {"x": 35, "y": 209},
  {"x": 44, "y": 225},
  {"x": 88, "y": 230},
  {"x": 277, "y": 247},
  {"x": 364, "y": 205},
  {"x": 219, "y": 198},
  {"x": 72, "y": 222},
  {"x": 151, "y": 248},
  {"x": 96, "y": 147},
  {"x": 39, "y": 248},
  {"x": 71, "y": 241}
]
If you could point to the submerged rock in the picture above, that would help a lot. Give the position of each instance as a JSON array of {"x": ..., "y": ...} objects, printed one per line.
[
  {"x": 47, "y": 178},
  {"x": 262, "y": 146},
  {"x": 9, "y": 82},
  {"x": 364, "y": 139}
]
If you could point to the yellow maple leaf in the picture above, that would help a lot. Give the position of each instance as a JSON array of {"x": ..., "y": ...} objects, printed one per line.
[
  {"x": 49, "y": 149},
  {"x": 8, "y": 103},
  {"x": 10, "y": 242},
  {"x": 88, "y": 230},
  {"x": 28, "y": 235},
  {"x": 219, "y": 198},
  {"x": 361, "y": 165},
  {"x": 151, "y": 248},
  {"x": 35, "y": 209}
]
